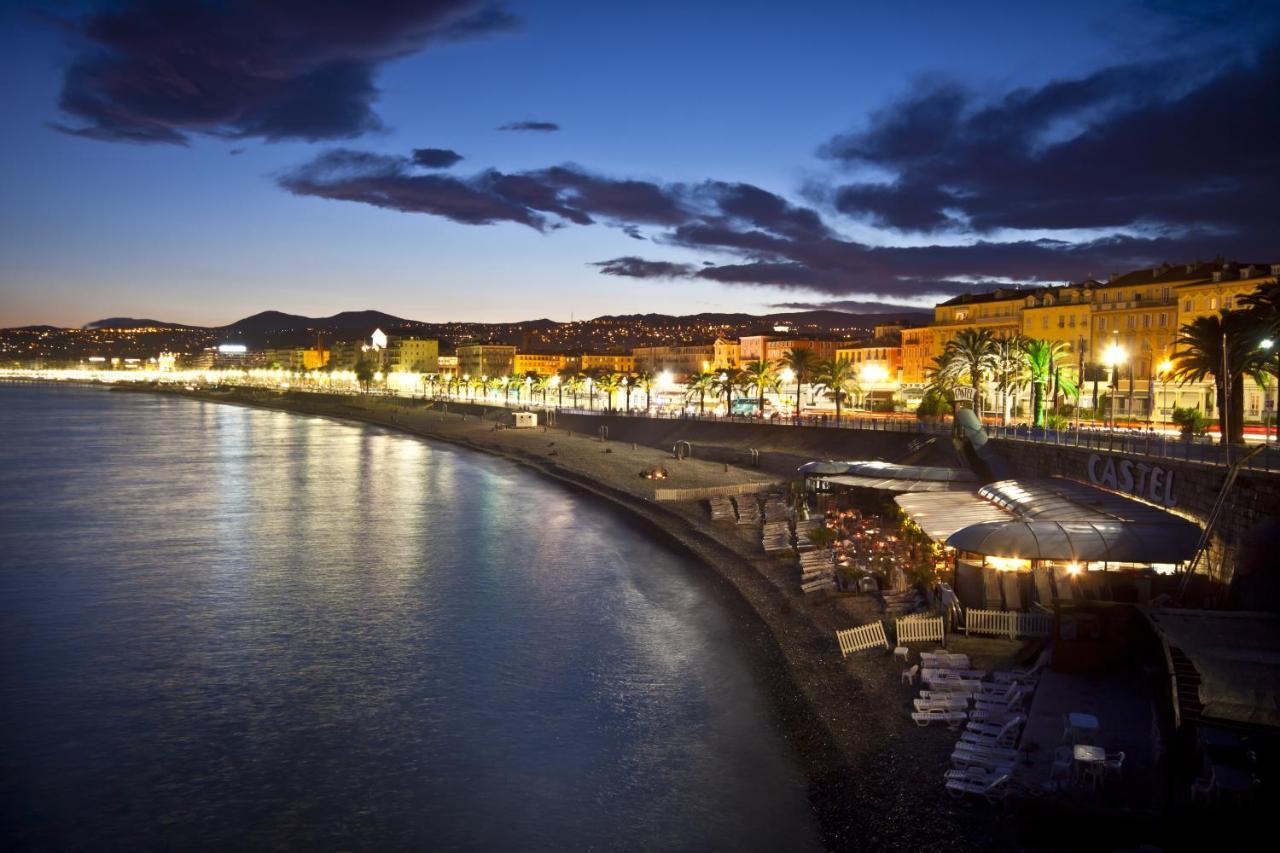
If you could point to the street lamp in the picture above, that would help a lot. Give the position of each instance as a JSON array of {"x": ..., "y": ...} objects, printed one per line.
[
  {"x": 626, "y": 389},
  {"x": 1113, "y": 357},
  {"x": 1267, "y": 344},
  {"x": 1163, "y": 369}
]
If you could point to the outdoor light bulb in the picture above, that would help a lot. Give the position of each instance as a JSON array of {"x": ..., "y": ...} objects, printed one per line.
[
  {"x": 555, "y": 380},
  {"x": 624, "y": 381},
  {"x": 724, "y": 376},
  {"x": 1164, "y": 366},
  {"x": 1073, "y": 568},
  {"x": 1267, "y": 343},
  {"x": 788, "y": 375}
]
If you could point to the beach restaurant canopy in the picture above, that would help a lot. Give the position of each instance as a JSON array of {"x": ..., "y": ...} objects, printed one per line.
[
  {"x": 1236, "y": 656},
  {"x": 1054, "y": 519},
  {"x": 888, "y": 476}
]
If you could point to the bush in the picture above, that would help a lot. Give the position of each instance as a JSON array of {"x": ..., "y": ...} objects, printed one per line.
[
  {"x": 1190, "y": 421},
  {"x": 933, "y": 405},
  {"x": 1056, "y": 420},
  {"x": 883, "y": 406}
]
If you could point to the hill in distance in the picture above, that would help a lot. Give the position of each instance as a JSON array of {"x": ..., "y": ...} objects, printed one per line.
[{"x": 133, "y": 323}]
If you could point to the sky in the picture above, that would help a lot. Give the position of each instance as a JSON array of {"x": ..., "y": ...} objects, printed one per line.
[{"x": 460, "y": 160}]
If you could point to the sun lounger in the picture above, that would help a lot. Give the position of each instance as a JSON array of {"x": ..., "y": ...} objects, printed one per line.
[
  {"x": 951, "y": 718},
  {"x": 944, "y": 660},
  {"x": 971, "y": 756},
  {"x": 993, "y": 790},
  {"x": 1030, "y": 673},
  {"x": 993, "y": 730},
  {"x": 931, "y": 704}
]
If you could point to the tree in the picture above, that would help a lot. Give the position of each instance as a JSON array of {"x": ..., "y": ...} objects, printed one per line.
[
  {"x": 701, "y": 384},
  {"x": 364, "y": 371},
  {"x": 1010, "y": 370},
  {"x": 759, "y": 376},
  {"x": 1044, "y": 364},
  {"x": 645, "y": 381},
  {"x": 1224, "y": 343},
  {"x": 970, "y": 355},
  {"x": 609, "y": 383},
  {"x": 837, "y": 379},
  {"x": 802, "y": 362},
  {"x": 726, "y": 382}
]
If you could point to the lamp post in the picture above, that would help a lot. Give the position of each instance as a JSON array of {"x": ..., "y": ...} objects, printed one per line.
[
  {"x": 591, "y": 394},
  {"x": 1267, "y": 344},
  {"x": 555, "y": 383},
  {"x": 787, "y": 377},
  {"x": 1163, "y": 369},
  {"x": 1113, "y": 357}
]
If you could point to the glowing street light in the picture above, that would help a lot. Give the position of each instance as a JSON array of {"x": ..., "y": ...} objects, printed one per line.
[{"x": 1114, "y": 356}]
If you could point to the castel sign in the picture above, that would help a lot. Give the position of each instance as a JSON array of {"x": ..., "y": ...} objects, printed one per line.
[{"x": 1140, "y": 479}]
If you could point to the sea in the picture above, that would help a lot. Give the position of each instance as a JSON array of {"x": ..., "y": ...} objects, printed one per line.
[{"x": 233, "y": 628}]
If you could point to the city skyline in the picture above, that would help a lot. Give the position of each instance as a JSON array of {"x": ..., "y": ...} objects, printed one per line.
[{"x": 767, "y": 161}]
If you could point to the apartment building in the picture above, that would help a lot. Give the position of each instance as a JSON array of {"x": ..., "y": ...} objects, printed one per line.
[{"x": 486, "y": 359}]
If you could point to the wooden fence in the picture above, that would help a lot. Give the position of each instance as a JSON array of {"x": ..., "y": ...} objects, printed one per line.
[
  {"x": 1007, "y": 623},
  {"x": 919, "y": 630},
  {"x": 704, "y": 492},
  {"x": 863, "y": 637}
]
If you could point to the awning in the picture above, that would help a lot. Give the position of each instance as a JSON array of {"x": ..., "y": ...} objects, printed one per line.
[
  {"x": 1237, "y": 656},
  {"x": 875, "y": 469},
  {"x": 1097, "y": 541},
  {"x": 896, "y": 485},
  {"x": 940, "y": 514}
]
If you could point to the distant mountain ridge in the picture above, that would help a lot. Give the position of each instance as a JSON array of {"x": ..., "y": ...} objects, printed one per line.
[
  {"x": 133, "y": 323},
  {"x": 280, "y": 322}
]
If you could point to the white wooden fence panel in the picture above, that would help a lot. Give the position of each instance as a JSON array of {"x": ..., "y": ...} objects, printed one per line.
[
  {"x": 918, "y": 630},
  {"x": 1007, "y": 623},
  {"x": 863, "y": 637}
]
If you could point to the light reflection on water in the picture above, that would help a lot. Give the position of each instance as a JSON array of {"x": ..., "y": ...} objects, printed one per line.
[{"x": 226, "y": 627}]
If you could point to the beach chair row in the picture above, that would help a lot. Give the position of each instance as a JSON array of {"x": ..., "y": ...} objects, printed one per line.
[
  {"x": 775, "y": 536},
  {"x": 817, "y": 570},
  {"x": 748, "y": 509},
  {"x": 721, "y": 509},
  {"x": 776, "y": 508}
]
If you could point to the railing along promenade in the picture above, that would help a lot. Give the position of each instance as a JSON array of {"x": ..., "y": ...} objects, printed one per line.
[
  {"x": 1129, "y": 440},
  {"x": 1146, "y": 441}
]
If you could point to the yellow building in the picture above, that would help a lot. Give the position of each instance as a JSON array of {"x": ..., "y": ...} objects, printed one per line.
[
  {"x": 543, "y": 364},
  {"x": 919, "y": 347},
  {"x": 606, "y": 362},
  {"x": 412, "y": 355}
]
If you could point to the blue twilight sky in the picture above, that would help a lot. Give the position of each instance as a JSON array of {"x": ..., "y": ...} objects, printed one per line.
[{"x": 200, "y": 162}]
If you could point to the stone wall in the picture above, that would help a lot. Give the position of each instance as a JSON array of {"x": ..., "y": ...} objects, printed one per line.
[{"x": 1254, "y": 498}]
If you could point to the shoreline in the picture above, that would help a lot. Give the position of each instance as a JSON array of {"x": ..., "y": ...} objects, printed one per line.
[{"x": 872, "y": 776}]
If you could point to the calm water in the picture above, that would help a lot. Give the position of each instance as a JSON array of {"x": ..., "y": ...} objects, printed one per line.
[{"x": 231, "y": 628}]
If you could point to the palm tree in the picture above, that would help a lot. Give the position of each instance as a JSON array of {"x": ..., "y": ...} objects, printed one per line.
[
  {"x": 1224, "y": 343},
  {"x": 1044, "y": 364},
  {"x": 1010, "y": 370},
  {"x": 760, "y": 376},
  {"x": 701, "y": 384},
  {"x": 837, "y": 379},
  {"x": 574, "y": 381},
  {"x": 609, "y": 383},
  {"x": 645, "y": 380},
  {"x": 802, "y": 362},
  {"x": 726, "y": 382},
  {"x": 971, "y": 354},
  {"x": 1263, "y": 306}
]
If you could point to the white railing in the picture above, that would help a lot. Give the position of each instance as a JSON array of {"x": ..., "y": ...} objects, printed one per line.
[
  {"x": 1007, "y": 623},
  {"x": 863, "y": 637},
  {"x": 919, "y": 630}
]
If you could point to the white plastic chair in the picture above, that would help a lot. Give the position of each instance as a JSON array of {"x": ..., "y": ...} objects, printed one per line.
[{"x": 909, "y": 675}]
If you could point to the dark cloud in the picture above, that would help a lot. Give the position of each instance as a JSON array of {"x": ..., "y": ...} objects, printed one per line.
[
  {"x": 536, "y": 126},
  {"x": 541, "y": 199},
  {"x": 153, "y": 71},
  {"x": 851, "y": 306},
  {"x": 435, "y": 158},
  {"x": 1178, "y": 147},
  {"x": 387, "y": 182},
  {"x": 633, "y": 267}
]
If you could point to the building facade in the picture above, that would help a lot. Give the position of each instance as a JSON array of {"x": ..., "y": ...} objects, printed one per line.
[
  {"x": 486, "y": 359},
  {"x": 412, "y": 355},
  {"x": 542, "y": 364}
]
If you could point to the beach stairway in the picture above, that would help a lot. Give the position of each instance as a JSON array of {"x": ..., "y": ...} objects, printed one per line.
[
  {"x": 721, "y": 509},
  {"x": 775, "y": 536},
  {"x": 817, "y": 570},
  {"x": 748, "y": 509},
  {"x": 803, "y": 529},
  {"x": 776, "y": 508}
]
